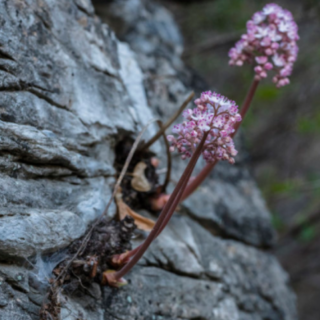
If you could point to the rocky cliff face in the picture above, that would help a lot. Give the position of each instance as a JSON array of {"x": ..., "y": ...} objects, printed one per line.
[{"x": 70, "y": 91}]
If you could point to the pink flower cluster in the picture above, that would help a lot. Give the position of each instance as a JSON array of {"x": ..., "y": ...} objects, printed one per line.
[
  {"x": 215, "y": 115},
  {"x": 270, "y": 42}
]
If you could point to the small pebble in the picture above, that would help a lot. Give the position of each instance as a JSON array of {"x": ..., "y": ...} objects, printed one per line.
[{"x": 129, "y": 299}]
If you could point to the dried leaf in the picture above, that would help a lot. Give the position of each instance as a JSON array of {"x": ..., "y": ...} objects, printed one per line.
[
  {"x": 124, "y": 210},
  {"x": 139, "y": 181}
]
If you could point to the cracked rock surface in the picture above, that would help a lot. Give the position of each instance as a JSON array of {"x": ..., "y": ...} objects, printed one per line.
[{"x": 71, "y": 87}]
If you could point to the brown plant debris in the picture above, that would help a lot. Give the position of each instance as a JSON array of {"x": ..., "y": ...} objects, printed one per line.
[
  {"x": 139, "y": 181},
  {"x": 51, "y": 308},
  {"x": 108, "y": 239},
  {"x": 124, "y": 210}
]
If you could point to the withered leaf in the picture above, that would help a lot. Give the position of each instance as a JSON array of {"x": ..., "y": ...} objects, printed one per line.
[
  {"x": 124, "y": 210},
  {"x": 139, "y": 181}
]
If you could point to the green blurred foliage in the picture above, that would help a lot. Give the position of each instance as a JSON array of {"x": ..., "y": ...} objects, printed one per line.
[
  {"x": 272, "y": 185},
  {"x": 267, "y": 93},
  {"x": 286, "y": 186},
  {"x": 219, "y": 15},
  {"x": 309, "y": 125},
  {"x": 277, "y": 222},
  {"x": 307, "y": 234}
]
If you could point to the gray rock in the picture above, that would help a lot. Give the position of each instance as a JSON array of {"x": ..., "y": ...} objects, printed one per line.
[
  {"x": 177, "y": 250},
  {"x": 233, "y": 281},
  {"x": 16, "y": 276},
  {"x": 64, "y": 104},
  {"x": 231, "y": 204},
  {"x": 70, "y": 90}
]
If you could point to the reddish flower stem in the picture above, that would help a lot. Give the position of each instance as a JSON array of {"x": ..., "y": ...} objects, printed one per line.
[
  {"x": 195, "y": 183},
  {"x": 166, "y": 213},
  {"x": 247, "y": 103},
  {"x": 167, "y": 217}
]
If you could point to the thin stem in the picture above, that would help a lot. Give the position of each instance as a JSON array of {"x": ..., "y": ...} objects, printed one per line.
[
  {"x": 176, "y": 202},
  {"x": 196, "y": 182},
  {"x": 167, "y": 210},
  {"x": 169, "y": 215},
  {"x": 167, "y": 124},
  {"x": 171, "y": 210},
  {"x": 171, "y": 202},
  {"x": 247, "y": 103}
]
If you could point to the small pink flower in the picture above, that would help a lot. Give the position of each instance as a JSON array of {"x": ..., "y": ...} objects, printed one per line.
[
  {"x": 268, "y": 66},
  {"x": 215, "y": 115},
  {"x": 262, "y": 59},
  {"x": 270, "y": 41}
]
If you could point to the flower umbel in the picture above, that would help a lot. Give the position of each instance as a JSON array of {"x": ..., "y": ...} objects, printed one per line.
[
  {"x": 215, "y": 115},
  {"x": 270, "y": 43}
]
